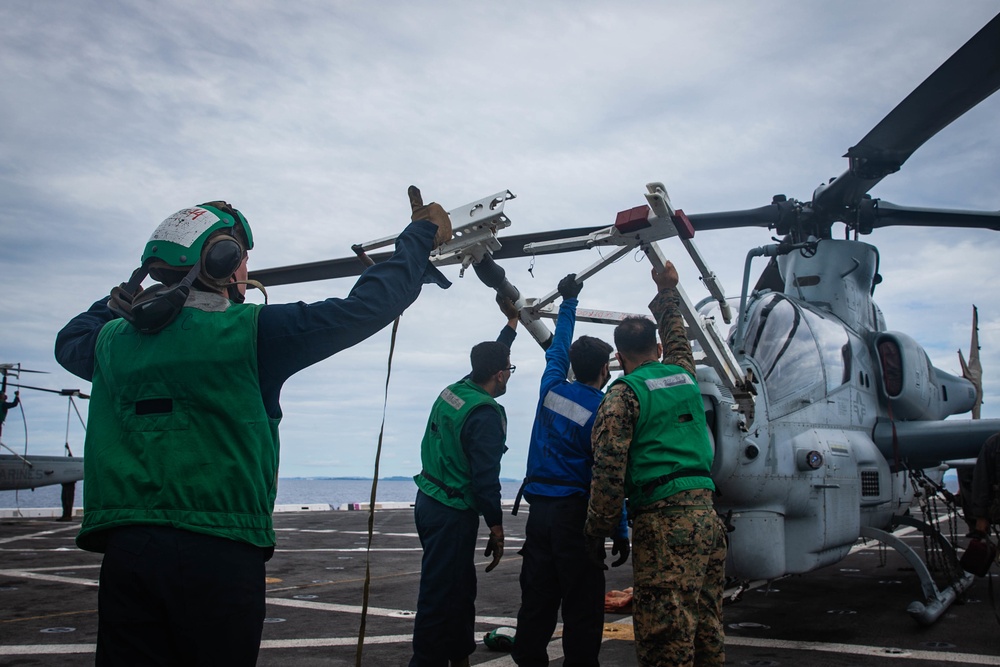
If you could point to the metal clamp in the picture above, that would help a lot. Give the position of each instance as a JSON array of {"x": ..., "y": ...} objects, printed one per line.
[{"x": 474, "y": 229}]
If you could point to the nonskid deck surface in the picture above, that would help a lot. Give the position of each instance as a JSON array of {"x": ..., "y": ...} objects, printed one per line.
[{"x": 852, "y": 613}]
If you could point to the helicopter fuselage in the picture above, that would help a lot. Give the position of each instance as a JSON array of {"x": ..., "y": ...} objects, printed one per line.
[{"x": 801, "y": 481}]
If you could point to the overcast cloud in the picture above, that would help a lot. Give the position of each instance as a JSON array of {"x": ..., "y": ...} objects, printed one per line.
[{"x": 313, "y": 117}]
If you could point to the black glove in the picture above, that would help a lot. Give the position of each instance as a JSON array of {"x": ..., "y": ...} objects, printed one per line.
[
  {"x": 507, "y": 307},
  {"x": 620, "y": 547},
  {"x": 494, "y": 547},
  {"x": 569, "y": 288},
  {"x": 595, "y": 551}
]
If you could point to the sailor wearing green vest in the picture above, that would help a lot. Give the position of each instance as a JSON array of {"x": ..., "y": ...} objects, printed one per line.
[
  {"x": 182, "y": 440},
  {"x": 651, "y": 445},
  {"x": 460, "y": 480}
]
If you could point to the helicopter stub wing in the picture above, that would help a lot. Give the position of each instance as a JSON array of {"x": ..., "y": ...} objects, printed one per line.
[{"x": 924, "y": 444}]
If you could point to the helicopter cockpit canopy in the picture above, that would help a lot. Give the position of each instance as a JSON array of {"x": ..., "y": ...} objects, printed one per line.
[{"x": 800, "y": 352}]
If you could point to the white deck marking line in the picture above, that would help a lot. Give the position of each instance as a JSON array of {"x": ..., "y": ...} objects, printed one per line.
[
  {"x": 47, "y": 649},
  {"x": 60, "y": 568},
  {"x": 333, "y": 641},
  {"x": 481, "y": 538},
  {"x": 65, "y": 649},
  {"x": 351, "y": 532},
  {"x": 27, "y": 574},
  {"x": 345, "y": 550},
  {"x": 44, "y": 533},
  {"x": 374, "y": 611},
  {"x": 344, "y": 608}
]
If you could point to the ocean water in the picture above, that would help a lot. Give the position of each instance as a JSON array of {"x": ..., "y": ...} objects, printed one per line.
[
  {"x": 296, "y": 491},
  {"x": 335, "y": 492}
]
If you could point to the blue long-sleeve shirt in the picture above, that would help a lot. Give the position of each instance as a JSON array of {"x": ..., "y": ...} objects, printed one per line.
[
  {"x": 560, "y": 454},
  {"x": 293, "y": 336}
]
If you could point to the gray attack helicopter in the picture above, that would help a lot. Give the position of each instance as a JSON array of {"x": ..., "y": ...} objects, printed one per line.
[
  {"x": 21, "y": 470},
  {"x": 826, "y": 425}
]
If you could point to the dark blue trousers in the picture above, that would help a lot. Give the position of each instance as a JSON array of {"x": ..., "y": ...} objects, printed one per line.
[
  {"x": 173, "y": 597},
  {"x": 555, "y": 572},
  {"x": 446, "y": 604}
]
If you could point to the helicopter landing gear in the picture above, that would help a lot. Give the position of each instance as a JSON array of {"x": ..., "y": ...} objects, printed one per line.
[{"x": 936, "y": 601}]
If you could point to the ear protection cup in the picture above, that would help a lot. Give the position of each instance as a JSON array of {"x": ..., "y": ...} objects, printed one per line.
[
  {"x": 154, "y": 308},
  {"x": 220, "y": 258}
]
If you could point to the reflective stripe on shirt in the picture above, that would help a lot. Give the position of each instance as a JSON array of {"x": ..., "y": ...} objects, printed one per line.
[
  {"x": 449, "y": 397},
  {"x": 567, "y": 408},
  {"x": 669, "y": 381}
]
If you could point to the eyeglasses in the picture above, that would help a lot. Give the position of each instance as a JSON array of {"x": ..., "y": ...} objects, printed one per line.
[{"x": 511, "y": 368}]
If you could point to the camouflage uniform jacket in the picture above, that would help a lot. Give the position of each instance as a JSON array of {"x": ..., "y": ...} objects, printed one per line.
[{"x": 617, "y": 417}]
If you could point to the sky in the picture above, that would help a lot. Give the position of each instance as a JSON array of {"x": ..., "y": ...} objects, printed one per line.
[{"x": 313, "y": 117}]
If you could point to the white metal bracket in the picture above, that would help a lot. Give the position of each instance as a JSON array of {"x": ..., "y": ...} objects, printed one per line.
[
  {"x": 641, "y": 228},
  {"x": 474, "y": 232}
]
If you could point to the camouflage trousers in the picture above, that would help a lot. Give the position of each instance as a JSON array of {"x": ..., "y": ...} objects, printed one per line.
[{"x": 678, "y": 560}]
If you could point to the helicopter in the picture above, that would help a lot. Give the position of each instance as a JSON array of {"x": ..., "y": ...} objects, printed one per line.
[
  {"x": 825, "y": 422},
  {"x": 20, "y": 471}
]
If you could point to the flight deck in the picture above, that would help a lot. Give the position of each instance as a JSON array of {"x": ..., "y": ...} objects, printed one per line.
[{"x": 852, "y": 613}]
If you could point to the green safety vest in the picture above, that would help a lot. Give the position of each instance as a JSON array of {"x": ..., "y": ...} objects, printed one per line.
[
  {"x": 178, "y": 434},
  {"x": 446, "y": 476},
  {"x": 670, "y": 450}
]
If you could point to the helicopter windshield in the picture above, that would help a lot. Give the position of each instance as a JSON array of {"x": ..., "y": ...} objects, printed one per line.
[{"x": 796, "y": 348}]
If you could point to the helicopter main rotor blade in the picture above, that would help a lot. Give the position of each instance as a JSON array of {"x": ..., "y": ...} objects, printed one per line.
[
  {"x": 889, "y": 214},
  {"x": 968, "y": 77},
  {"x": 14, "y": 369},
  {"x": 322, "y": 270},
  {"x": 61, "y": 392},
  {"x": 346, "y": 267},
  {"x": 764, "y": 216}
]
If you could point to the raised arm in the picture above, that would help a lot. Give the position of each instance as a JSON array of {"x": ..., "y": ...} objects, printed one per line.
[{"x": 665, "y": 307}]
